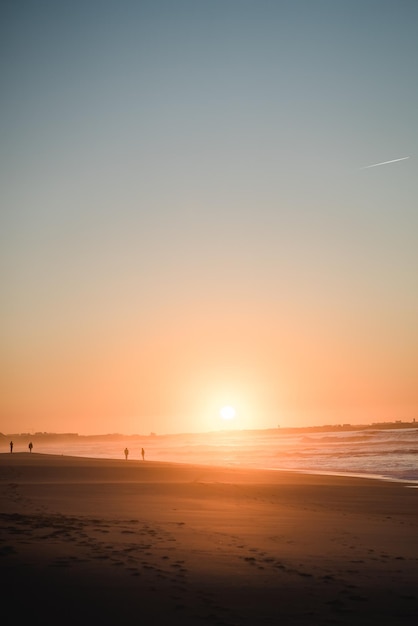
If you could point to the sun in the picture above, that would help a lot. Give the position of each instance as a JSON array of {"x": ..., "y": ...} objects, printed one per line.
[{"x": 227, "y": 412}]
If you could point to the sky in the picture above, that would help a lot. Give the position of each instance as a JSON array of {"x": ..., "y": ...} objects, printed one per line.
[{"x": 188, "y": 219}]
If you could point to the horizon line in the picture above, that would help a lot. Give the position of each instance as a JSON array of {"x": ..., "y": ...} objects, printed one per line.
[{"x": 346, "y": 425}]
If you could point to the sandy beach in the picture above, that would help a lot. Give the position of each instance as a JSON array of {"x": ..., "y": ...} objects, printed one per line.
[{"x": 112, "y": 541}]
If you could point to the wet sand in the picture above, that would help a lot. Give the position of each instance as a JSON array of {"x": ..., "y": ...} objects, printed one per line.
[{"x": 110, "y": 541}]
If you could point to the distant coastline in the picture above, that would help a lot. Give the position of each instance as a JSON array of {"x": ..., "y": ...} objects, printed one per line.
[{"x": 398, "y": 424}]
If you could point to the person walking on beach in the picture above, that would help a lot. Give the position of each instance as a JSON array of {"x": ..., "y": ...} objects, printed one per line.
[
  {"x": 30, "y": 446},
  {"x": 126, "y": 453},
  {"x": 11, "y": 446},
  {"x": 143, "y": 454}
]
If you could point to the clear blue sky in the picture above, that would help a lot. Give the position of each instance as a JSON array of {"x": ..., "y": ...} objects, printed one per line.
[{"x": 185, "y": 222}]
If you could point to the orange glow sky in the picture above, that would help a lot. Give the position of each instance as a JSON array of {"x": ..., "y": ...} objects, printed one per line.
[{"x": 186, "y": 223}]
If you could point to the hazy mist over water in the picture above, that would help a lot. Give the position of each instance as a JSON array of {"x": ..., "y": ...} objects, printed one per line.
[{"x": 384, "y": 453}]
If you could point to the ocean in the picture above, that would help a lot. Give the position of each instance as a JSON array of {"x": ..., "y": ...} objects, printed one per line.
[{"x": 383, "y": 453}]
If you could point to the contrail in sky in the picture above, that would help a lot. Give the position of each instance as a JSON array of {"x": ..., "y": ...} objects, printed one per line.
[{"x": 384, "y": 163}]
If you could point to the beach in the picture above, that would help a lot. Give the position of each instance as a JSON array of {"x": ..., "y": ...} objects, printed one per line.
[{"x": 110, "y": 541}]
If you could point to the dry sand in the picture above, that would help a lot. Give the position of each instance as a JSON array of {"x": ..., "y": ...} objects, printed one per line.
[{"x": 110, "y": 542}]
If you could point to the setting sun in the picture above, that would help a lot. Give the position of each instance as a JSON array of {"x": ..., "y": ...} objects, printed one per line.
[{"x": 227, "y": 412}]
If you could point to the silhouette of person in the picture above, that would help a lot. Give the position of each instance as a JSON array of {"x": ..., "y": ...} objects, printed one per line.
[
  {"x": 11, "y": 446},
  {"x": 143, "y": 454},
  {"x": 30, "y": 446},
  {"x": 126, "y": 453}
]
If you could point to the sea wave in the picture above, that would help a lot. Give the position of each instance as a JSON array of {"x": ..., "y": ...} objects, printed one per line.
[{"x": 389, "y": 453}]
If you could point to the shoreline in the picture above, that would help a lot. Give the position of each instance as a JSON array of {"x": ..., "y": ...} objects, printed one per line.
[
  {"x": 109, "y": 540},
  {"x": 413, "y": 481}
]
